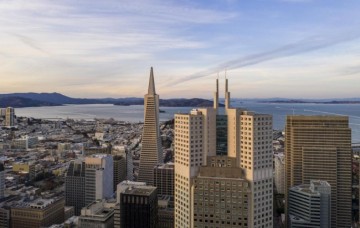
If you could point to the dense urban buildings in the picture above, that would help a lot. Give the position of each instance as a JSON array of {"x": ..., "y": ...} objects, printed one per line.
[
  {"x": 310, "y": 205},
  {"x": 248, "y": 143},
  {"x": 151, "y": 152},
  {"x": 164, "y": 179},
  {"x": 319, "y": 148}
]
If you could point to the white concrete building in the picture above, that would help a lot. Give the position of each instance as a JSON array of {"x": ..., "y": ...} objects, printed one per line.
[{"x": 98, "y": 177}]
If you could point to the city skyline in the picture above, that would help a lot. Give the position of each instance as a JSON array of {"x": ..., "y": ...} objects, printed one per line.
[{"x": 94, "y": 49}]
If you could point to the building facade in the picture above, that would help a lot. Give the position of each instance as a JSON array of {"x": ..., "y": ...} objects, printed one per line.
[
  {"x": 119, "y": 169},
  {"x": 99, "y": 177},
  {"x": 97, "y": 215},
  {"x": 310, "y": 205},
  {"x": 75, "y": 186},
  {"x": 151, "y": 151},
  {"x": 279, "y": 171},
  {"x": 10, "y": 117},
  {"x": 138, "y": 206},
  {"x": 319, "y": 148},
  {"x": 38, "y": 213}
]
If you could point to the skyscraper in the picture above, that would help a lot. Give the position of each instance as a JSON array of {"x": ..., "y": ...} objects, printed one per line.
[
  {"x": 75, "y": 186},
  {"x": 98, "y": 177},
  {"x": 245, "y": 137},
  {"x": 319, "y": 148},
  {"x": 119, "y": 169},
  {"x": 138, "y": 205},
  {"x": 151, "y": 152},
  {"x": 10, "y": 117}
]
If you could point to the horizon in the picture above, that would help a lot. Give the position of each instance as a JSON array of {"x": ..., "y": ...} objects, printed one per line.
[
  {"x": 275, "y": 48},
  {"x": 207, "y": 98}
]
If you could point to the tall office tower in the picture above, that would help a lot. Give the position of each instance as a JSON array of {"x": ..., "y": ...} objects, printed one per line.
[
  {"x": 138, "y": 205},
  {"x": 221, "y": 194},
  {"x": 243, "y": 136},
  {"x": 257, "y": 161},
  {"x": 10, "y": 117},
  {"x": 2, "y": 180},
  {"x": 119, "y": 170},
  {"x": 151, "y": 152},
  {"x": 319, "y": 148},
  {"x": 279, "y": 177},
  {"x": 310, "y": 205},
  {"x": 75, "y": 186},
  {"x": 190, "y": 153},
  {"x": 99, "y": 177}
]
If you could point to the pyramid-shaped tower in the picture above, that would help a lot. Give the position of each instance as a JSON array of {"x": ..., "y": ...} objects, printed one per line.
[{"x": 151, "y": 152}]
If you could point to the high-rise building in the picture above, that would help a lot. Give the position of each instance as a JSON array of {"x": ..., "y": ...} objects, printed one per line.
[
  {"x": 75, "y": 186},
  {"x": 119, "y": 169},
  {"x": 319, "y": 148},
  {"x": 279, "y": 170},
  {"x": 244, "y": 136},
  {"x": 99, "y": 177},
  {"x": 151, "y": 151},
  {"x": 310, "y": 205},
  {"x": 138, "y": 205},
  {"x": 10, "y": 117}
]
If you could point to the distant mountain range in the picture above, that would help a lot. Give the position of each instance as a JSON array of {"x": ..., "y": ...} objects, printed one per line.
[{"x": 18, "y": 100}]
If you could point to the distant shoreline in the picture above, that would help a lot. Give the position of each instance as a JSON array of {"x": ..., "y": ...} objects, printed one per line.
[{"x": 310, "y": 102}]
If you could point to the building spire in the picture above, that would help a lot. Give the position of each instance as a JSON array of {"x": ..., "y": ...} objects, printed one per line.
[
  {"x": 227, "y": 93},
  {"x": 151, "y": 88},
  {"x": 216, "y": 95}
]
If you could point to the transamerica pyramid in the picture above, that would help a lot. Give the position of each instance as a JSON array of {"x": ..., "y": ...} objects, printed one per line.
[{"x": 151, "y": 152}]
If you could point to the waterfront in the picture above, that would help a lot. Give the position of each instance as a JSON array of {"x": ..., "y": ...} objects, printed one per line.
[{"x": 135, "y": 113}]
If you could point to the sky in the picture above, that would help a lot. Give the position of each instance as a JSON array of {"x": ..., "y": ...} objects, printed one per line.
[{"x": 105, "y": 48}]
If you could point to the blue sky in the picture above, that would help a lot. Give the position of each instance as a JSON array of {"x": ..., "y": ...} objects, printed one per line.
[{"x": 270, "y": 48}]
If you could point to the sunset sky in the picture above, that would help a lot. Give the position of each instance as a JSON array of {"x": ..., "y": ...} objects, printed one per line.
[{"x": 270, "y": 48}]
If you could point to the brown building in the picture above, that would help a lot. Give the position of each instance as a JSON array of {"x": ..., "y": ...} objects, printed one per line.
[
  {"x": 38, "y": 213},
  {"x": 319, "y": 147}
]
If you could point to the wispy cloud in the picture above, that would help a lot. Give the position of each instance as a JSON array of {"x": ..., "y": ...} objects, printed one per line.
[{"x": 303, "y": 46}]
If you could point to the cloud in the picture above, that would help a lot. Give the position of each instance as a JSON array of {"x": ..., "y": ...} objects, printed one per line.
[{"x": 303, "y": 46}]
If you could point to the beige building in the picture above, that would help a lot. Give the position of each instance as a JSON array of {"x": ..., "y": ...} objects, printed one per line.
[
  {"x": 151, "y": 151},
  {"x": 38, "y": 213},
  {"x": 10, "y": 117},
  {"x": 221, "y": 194},
  {"x": 319, "y": 147},
  {"x": 246, "y": 137},
  {"x": 24, "y": 168}
]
